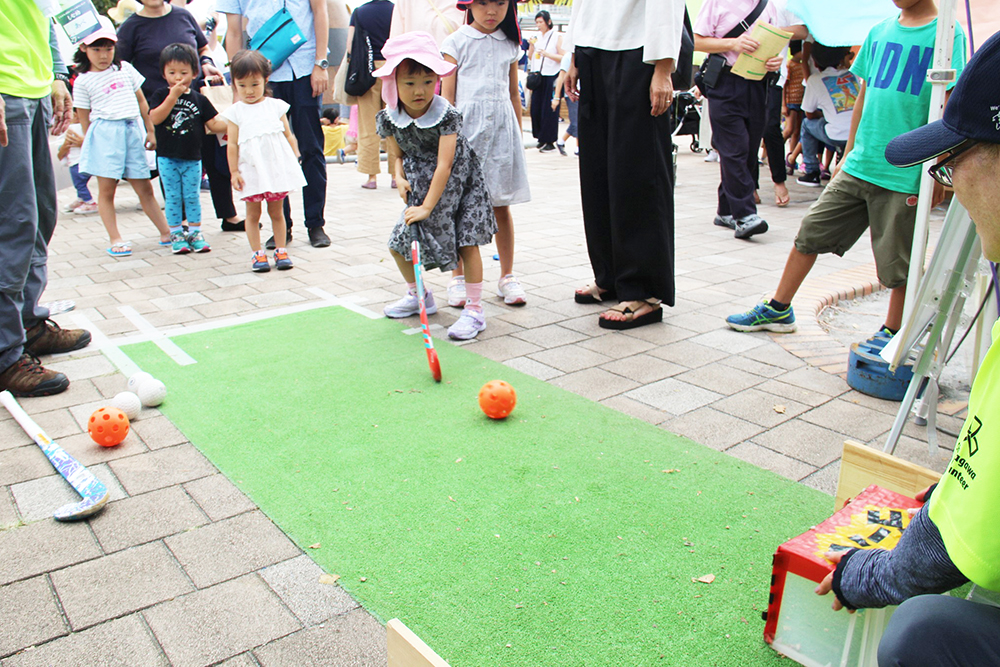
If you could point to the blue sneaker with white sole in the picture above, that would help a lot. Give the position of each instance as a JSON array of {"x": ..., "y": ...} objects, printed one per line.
[{"x": 764, "y": 318}]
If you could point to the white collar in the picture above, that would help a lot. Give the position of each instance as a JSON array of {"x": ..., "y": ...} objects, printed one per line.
[
  {"x": 438, "y": 108},
  {"x": 497, "y": 34}
]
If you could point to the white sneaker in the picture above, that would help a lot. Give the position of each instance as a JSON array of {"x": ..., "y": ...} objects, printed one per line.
[
  {"x": 511, "y": 291},
  {"x": 86, "y": 208},
  {"x": 68, "y": 208},
  {"x": 409, "y": 305},
  {"x": 468, "y": 325},
  {"x": 456, "y": 292},
  {"x": 713, "y": 156}
]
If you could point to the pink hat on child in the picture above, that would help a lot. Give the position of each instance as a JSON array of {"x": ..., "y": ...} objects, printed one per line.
[{"x": 419, "y": 46}]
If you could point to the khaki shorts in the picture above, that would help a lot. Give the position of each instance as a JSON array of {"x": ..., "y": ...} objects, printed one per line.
[{"x": 849, "y": 206}]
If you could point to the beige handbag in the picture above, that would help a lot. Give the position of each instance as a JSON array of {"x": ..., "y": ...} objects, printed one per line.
[
  {"x": 339, "y": 96},
  {"x": 221, "y": 97}
]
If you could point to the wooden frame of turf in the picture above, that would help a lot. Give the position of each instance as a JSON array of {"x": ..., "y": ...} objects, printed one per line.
[
  {"x": 405, "y": 649},
  {"x": 861, "y": 466}
]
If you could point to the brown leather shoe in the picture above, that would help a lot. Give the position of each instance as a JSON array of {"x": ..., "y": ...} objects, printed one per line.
[
  {"x": 28, "y": 378},
  {"x": 47, "y": 337}
]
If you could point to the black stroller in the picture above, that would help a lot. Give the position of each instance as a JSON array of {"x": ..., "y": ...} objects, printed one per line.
[{"x": 687, "y": 118}]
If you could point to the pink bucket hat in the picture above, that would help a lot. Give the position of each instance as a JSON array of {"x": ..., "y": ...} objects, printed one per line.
[{"x": 419, "y": 46}]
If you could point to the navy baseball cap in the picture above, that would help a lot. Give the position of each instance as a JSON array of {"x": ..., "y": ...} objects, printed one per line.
[{"x": 972, "y": 113}]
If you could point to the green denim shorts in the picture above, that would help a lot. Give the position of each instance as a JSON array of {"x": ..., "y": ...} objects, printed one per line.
[{"x": 849, "y": 206}]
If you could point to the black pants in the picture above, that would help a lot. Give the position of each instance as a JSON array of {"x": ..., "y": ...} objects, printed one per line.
[
  {"x": 304, "y": 119},
  {"x": 737, "y": 110},
  {"x": 940, "y": 631},
  {"x": 774, "y": 141},
  {"x": 626, "y": 183},
  {"x": 544, "y": 121},
  {"x": 216, "y": 165}
]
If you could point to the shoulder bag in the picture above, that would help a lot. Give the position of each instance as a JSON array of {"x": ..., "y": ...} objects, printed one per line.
[
  {"x": 534, "y": 81},
  {"x": 278, "y": 38},
  {"x": 360, "y": 64}
]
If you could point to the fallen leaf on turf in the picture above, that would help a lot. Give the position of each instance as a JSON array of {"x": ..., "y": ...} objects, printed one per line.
[
  {"x": 780, "y": 409},
  {"x": 458, "y": 460},
  {"x": 671, "y": 470},
  {"x": 707, "y": 579},
  {"x": 364, "y": 579},
  {"x": 451, "y": 499},
  {"x": 329, "y": 579},
  {"x": 314, "y": 546}
]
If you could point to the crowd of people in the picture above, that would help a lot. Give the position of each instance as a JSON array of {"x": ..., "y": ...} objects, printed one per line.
[{"x": 446, "y": 100}]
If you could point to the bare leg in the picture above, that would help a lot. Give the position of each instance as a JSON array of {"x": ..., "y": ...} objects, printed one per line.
[
  {"x": 253, "y": 220},
  {"x": 797, "y": 267},
  {"x": 150, "y": 206},
  {"x": 405, "y": 268},
  {"x": 504, "y": 240},
  {"x": 106, "y": 207},
  {"x": 277, "y": 215},
  {"x": 473, "y": 261},
  {"x": 894, "y": 318}
]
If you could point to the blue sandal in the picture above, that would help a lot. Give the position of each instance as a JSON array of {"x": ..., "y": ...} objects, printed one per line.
[{"x": 120, "y": 250}]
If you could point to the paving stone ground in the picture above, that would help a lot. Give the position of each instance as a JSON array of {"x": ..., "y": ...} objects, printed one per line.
[{"x": 147, "y": 582}]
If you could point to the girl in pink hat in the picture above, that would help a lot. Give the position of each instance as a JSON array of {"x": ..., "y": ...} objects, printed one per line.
[
  {"x": 484, "y": 89},
  {"x": 438, "y": 175}
]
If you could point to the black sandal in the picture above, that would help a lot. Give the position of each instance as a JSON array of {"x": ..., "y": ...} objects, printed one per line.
[{"x": 629, "y": 308}]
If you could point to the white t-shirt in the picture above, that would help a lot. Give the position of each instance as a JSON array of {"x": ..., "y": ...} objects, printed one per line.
[
  {"x": 834, "y": 92},
  {"x": 549, "y": 42},
  {"x": 110, "y": 95},
  {"x": 73, "y": 156}
]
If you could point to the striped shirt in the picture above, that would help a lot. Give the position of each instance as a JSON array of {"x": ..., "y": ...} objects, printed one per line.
[{"x": 111, "y": 94}]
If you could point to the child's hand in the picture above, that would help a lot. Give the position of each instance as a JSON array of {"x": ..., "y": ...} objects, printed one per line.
[
  {"x": 238, "y": 182},
  {"x": 404, "y": 188},
  {"x": 150, "y": 141},
  {"x": 73, "y": 139},
  {"x": 177, "y": 89},
  {"x": 555, "y": 104},
  {"x": 415, "y": 213}
]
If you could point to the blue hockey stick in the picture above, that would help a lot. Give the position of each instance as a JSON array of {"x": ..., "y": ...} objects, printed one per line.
[{"x": 93, "y": 491}]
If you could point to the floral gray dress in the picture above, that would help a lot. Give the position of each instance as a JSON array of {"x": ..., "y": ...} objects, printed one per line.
[{"x": 464, "y": 215}]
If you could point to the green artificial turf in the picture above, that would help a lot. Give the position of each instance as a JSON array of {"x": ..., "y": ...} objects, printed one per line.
[{"x": 568, "y": 534}]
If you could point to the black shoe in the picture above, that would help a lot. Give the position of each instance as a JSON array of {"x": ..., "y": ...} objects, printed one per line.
[
  {"x": 562, "y": 149},
  {"x": 547, "y": 148},
  {"x": 270, "y": 242},
  {"x": 809, "y": 180},
  {"x": 240, "y": 226},
  {"x": 540, "y": 144},
  {"x": 318, "y": 238}
]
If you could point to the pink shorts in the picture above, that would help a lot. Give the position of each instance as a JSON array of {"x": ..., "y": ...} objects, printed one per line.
[{"x": 266, "y": 196}]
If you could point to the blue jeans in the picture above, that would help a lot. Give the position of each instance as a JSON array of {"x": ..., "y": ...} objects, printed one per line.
[
  {"x": 181, "y": 186},
  {"x": 814, "y": 138},
  {"x": 80, "y": 181},
  {"x": 27, "y": 220},
  {"x": 304, "y": 120}
]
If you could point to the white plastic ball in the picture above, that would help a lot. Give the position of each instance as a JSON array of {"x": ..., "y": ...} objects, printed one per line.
[
  {"x": 128, "y": 403},
  {"x": 136, "y": 380},
  {"x": 152, "y": 392}
]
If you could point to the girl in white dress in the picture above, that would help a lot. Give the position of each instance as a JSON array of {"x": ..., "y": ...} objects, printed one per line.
[
  {"x": 484, "y": 89},
  {"x": 263, "y": 154}
]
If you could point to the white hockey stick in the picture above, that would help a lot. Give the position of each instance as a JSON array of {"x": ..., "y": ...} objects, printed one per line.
[{"x": 94, "y": 493}]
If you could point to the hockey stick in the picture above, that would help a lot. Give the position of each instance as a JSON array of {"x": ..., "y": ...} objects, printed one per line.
[
  {"x": 94, "y": 493},
  {"x": 418, "y": 270}
]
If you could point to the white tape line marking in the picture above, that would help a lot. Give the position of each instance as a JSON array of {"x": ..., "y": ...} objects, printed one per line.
[
  {"x": 326, "y": 296},
  {"x": 104, "y": 344},
  {"x": 416, "y": 330},
  {"x": 158, "y": 338}
]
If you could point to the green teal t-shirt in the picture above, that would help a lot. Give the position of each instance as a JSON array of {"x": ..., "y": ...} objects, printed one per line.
[
  {"x": 893, "y": 62},
  {"x": 25, "y": 57},
  {"x": 964, "y": 505}
]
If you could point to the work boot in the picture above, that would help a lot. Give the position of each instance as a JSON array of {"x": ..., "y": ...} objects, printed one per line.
[
  {"x": 27, "y": 378},
  {"x": 47, "y": 337}
]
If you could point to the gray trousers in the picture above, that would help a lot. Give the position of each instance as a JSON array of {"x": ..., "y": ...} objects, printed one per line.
[
  {"x": 27, "y": 221},
  {"x": 940, "y": 631}
]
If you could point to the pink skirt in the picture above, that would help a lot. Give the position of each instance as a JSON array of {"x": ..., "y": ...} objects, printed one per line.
[{"x": 266, "y": 196}]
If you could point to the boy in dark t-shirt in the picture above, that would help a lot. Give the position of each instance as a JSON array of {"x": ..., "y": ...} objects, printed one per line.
[{"x": 181, "y": 116}]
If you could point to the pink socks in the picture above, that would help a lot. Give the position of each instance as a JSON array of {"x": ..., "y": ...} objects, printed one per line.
[{"x": 474, "y": 296}]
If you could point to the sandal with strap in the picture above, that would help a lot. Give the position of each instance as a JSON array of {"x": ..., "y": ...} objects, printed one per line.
[
  {"x": 593, "y": 294},
  {"x": 123, "y": 249},
  {"x": 631, "y": 321}
]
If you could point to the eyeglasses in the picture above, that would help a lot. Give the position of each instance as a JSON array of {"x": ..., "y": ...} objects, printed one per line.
[{"x": 943, "y": 172}]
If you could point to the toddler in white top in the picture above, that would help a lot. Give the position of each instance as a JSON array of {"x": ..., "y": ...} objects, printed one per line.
[
  {"x": 263, "y": 154},
  {"x": 114, "y": 117}
]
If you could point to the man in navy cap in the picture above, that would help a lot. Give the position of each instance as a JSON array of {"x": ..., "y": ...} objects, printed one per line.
[{"x": 953, "y": 538}]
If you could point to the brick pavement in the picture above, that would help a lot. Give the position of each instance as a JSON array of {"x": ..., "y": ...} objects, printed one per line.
[{"x": 183, "y": 569}]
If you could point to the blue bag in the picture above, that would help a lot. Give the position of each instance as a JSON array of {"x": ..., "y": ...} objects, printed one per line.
[{"x": 278, "y": 38}]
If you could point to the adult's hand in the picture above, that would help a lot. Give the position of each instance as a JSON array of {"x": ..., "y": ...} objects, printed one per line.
[
  {"x": 212, "y": 74},
  {"x": 826, "y": 585},
  {"x": 745, "y": 44},
  {"x": 3, "y": 122},
  {"x": 62, "y": 107},
  {"x": 661, "y": 88},
  {"x": 572, "y": 75},
  {"x": 320, "y": 81},
  {"x": 773, "y": 64}
]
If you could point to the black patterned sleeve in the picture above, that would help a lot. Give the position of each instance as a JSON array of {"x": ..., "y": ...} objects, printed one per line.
[
  {"x": 382, "y": 124},
  {"x": 451, "y": 123}
]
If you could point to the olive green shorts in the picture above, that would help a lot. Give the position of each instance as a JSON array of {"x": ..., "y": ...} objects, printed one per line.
[{"x": 849, "y": 206}]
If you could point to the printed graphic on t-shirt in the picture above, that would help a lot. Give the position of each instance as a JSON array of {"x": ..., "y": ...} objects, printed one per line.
[
  {"x": 914, "y": 70},
  {"x": 183, "y": 117},
  {"x": 843, "y": 91}
]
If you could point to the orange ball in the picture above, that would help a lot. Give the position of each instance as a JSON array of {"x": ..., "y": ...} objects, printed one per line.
[
  {"x": 497, "y": 399},
  {"x": 108, "y": 426}
]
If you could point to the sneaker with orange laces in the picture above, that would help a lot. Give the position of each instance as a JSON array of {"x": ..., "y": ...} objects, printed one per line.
[
  {"x": 47, "y": 337},
  {"x": 28, "y": 378},
  {"x": 281, "y": 260}
]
